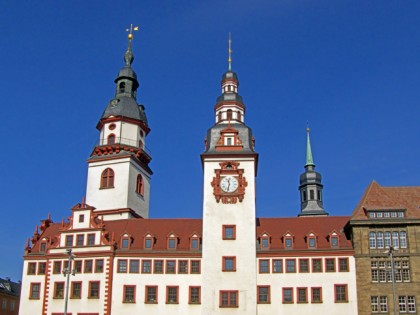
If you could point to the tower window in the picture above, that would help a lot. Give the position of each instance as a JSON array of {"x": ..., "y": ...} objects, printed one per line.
[
  {"x": 139, "y": 185},
  {"x": 229, "y": 114},
  {"x": 312, "y": 194},
  {"x": 219, "y": 116},
  {"x": 107, "y": 178},
  {"x": 319, "y": 195},
  {"x": 239, "y": 116},
  {"x": 121, "y": 87},
  {"x": 111, "y": 139},
  {"x": 304, "y": 196}
]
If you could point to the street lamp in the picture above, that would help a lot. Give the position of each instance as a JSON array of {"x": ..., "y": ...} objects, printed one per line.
[
  {"x": 390, "y": 253},
  {"x": 66, "y": 273}
]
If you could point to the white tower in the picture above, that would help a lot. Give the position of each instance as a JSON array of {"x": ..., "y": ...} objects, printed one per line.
[
  {"x": 118, "y": 183},
  {"x": 229, "y": 241}
]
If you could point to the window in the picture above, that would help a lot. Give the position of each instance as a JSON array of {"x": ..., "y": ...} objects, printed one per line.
[
  {"x": 122, "y": 265},
  {"x": 58, "y": 290},
  {"x": 172, "y": 243},
  {"x": 148, "y": 243},
  {"x": 41, "y": 268},
  {"x": 99, "y": 265},
  {"x": 304, "y": 265},
  {"x": 290, "y": 265},
  {"x": 172, "y": 295},
  {"x": 129, "y": 294},
  {"x": 88, "y": 266},
  {"x": 372, "y": 240},
  {"x": 287, "y": 295},
  {"x": 125, "y": 242},
  {"x": 229, "y": 114},
  {"x": 229, "y": 232},
  {"x": 111, "y": 139},
  {"x": 139, "y": 185},
  {"x": 288, "y": 242},
  {"x": 91, "y": 239},
  {"x": 34, "y": 291},
  {"x": 146, "y": 266},
  {"x": 277, "y": 265},
  {"x": 334, "y": 241},
  {"x": 264, "y": 265},
  {"x": 183, "y": 266},
  {"x": 151, "y": 294},
  {"x": 81, "y": 218},
  {"x": 343, "y": 264},
  {"x": 32, "y": 268},
  {"x": 93, "y": 290},
  {"x": 263, "y": 294},
  {"x": 265, "y": 243},
  {"x": 4, "y": 305},
  {"x": 316, "y": 294},
  {"x": 219, "y": 116},
  {"x": 340, "y": 293},
  {"x": 43, "y": 247},
  {"x": 381, "y": 270},
  {"x": 228, "y": 299},
  {"x": 229, "y": 264},
  {"x": 330, "y": 264},
  {"x": 379, "y": 304},
  {"x": 407, "y": 304},
  {"x": 69, "y": 240},
  {"x": 403, "y": 239},
  {"x": 134, "y": 266},
  {"x": 312, "y": 242},
  {"x": 387, "y": 239},
  {"x": 57, "y": 267},
  {"x": 195, "y": 266},
  {"x": 158, "y": 266},
  {"x": 380, "y": 240},
  {"x": 170, "y": 266},
  {"x": 302, "y": 295},
  {"x": 395, "y": 240},
  {"x": 195, "y": 243},
  {"x": 80, "y": 240},
  {"x": 78, "y": 266},
  {"x": 194, "y": 295},
  {"x": 107, "y": 178},
  {"x": 121, "y": 87},
  {"x": 316, "y": 265},
  {"x": 76, "y": 290}
]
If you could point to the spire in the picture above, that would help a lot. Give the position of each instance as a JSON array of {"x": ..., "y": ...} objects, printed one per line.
[
  {"x": 309, "y": 158},
  {"x": 230, "y": 53},
  {"x": 128, "y": 56}
]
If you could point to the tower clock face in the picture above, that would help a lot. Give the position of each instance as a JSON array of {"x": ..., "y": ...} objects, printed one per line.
[{"x": 229, "y": 184}]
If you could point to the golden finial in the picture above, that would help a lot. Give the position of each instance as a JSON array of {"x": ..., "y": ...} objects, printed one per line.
[
  {"x": 130, "y": 31},
  {"x": 230, "y": 53}
]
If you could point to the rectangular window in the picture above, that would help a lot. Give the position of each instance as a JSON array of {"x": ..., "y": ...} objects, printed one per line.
[
  {"x": 229, "y": 264},
  {"x": 194, "y": 295},
  {"x": 80, "y": 240},
  {"x": 312, "y": 242},
  {"x": 99, "y": 265},
  {"x": 195, "y": 266},
  {"x": 387, "y": 239},
  {"x": 407, "y": 304},
  {"x": 330, "y": 264},
  {"x": 76, "y": 290},
  {"x": 195, "y": 243},
  {"x": 78, "y": 266},
  {"x": 316, "y": 265},
  {"x": 122, "y": 265},
  {"x": 264, "y": 265},
  {"x": 287, "y": 295},
  {"x": 302, "y": 295},
  {"x": 170, "y": 266},
  {"x": 228, "y": 299},
  {"x": 340, "y": 293},
  {"x": 403, "y": 239},
  {"x": 88, "y": 266},
  {"x": 372, "y": 240},
  {"x": 125, "y": 243},
  {"x": 395, "y": 240},
  {"x": 129, "y": 294},
  {"x": 158, "y": 266},
  {"x": 69, "y": 240},
  {"x": 374, "y": 304},
  {"x": 172, "y": 295},
  {"x": 263, "y": 294},
  {"x": 383, "y": 304},
  {"x": 134, "y": 266},
  {"x": 229, "y": 232},
  {"x": 43, "y": 247},
  {"x": 32, "y": 268},
  {"x": 343, "y": 264},
  {"x": 148, "y": 243},
  {"x": 91, "y": 239},
  {"x": 316, "y": 294},
  {"x": 34, "y": 292},
  {"x": 277, "y": 265},
  {"x": 58, "y": 290},
  {"x": 265, "y": 243},
  {"x": 334, "y": 241},
  {"x": 171, "y": 243},
  {"x": 151, "y": 294},
  {"x": 57, "y": 267},
  {"x": 146, "y": 266},
  {"x": 290, "y": 265},
  {"x": 380, "y": 240},
  {"x": 183, "y": 266},
  {"x": 303, "y": 265},
  {"x": 41, "y": 268},
  {"x": 93, "y": 290},
  {"x": 81, "y": 218},
  {"x": 289, "y": 243}
]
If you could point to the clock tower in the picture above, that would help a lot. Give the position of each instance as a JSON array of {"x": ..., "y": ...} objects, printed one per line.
[{"x": 229, "y": 240}]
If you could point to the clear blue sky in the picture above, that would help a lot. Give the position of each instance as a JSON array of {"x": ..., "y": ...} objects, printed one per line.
[{"x": 350, "y": 68}]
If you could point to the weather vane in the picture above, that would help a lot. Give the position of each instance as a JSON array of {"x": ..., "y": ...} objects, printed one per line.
[
  {"x": 130, "y": 31},
  {"x": 230, "y": 53}
]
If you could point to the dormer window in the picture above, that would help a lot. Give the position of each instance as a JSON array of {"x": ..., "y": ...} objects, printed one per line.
[
  {"x": 288, "y": 241},
  {"x": 229, "y": 141},
  {"x": 194, "y": 242},
  {"x": 121, "y": 87},
  {"x": 107, "y": 178},
  {"x": 311, "y": 240},
  {"x": 140, "y": 185},
  {"x": 125, "y": 241},
  {"x": 148, "y": 241},
  {"x": 43, "y": 246},
  {"x": 172, "y": 241},
  {"x": 111, "y": 139},
  {"x": 334, "y": 241},
  {"x": 265, "y": 241}
]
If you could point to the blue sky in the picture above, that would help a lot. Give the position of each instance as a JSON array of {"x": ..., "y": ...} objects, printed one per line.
[{"x": 350, "y": 68}]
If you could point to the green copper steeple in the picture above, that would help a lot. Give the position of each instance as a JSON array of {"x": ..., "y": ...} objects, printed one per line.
[{"x": 309, "y": 158}]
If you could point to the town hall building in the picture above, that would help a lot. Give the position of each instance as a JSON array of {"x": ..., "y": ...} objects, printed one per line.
[{"x": 116, "y": 259}]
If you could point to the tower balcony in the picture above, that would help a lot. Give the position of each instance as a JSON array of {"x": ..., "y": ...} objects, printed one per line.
[{"x": 117, "y": 144}]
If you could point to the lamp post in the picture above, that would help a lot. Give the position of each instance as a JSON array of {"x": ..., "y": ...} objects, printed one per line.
[
  {"x": 390, "y": 253},
  {"x": 66, "y": 273}
]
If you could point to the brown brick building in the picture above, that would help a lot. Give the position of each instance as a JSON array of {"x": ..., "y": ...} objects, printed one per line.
[
  {"x": 387, "y": 217},
  {"x": 9, "y": 297}
]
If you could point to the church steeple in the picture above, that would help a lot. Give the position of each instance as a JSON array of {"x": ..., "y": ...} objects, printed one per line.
[{"x": 310, "y": 186}]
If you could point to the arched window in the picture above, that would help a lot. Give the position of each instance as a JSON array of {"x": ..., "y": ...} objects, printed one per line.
[
  {"x": 239, "y": 116},
  {"x": 219, "y": 116},
  {"x": 229, "y": 114},
  {"x": 121, "y": 87},
  {"x": 111, "y": 139},
  {"x": 141, "y": 145},
  {"x": 107, "y": 178},
  {"x": 139, "y": 185}
]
